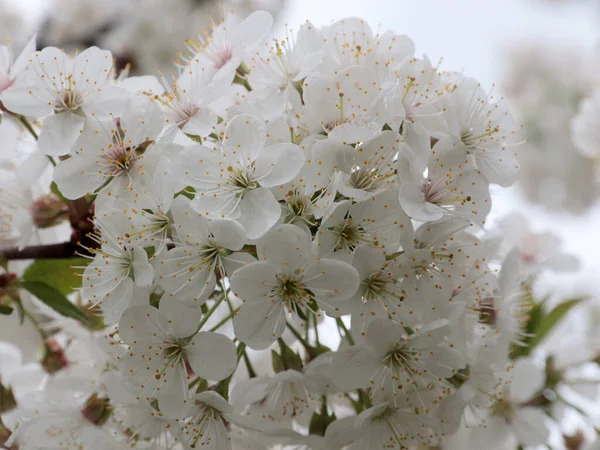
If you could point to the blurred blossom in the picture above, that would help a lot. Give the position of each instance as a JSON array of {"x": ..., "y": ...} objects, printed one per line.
[
  {"x": 545, "y": 84},
  {"x": 147, "y": 34}
]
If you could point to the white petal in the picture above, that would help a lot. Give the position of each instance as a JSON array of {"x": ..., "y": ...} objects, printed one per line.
[
  {"x": 78, "y": 176},
  {"x": 332, "y": 280},
  {"x": 353, "y": 368},
  {"x": 182, "y": 318},
  {"x": 259, "y": 211},
  {"x": 212, "y": 356},
  {"x": 23, "y": 59},
  {"x": 245, "y": 137},
  {"x": 227, "y": 234},
  {"x": 142, "y": 269},
  {"x": 412, "y": 200},
  {"x": 259, "y": 324},
  {"x": 59, "y": 133},
  {"x": 115, "y": 303},
  {"x": 201, "y": 123},
  {"x": 254, "y": 281},
  {"x": 278, "y": 164},
  {"x": 530, "y": 426},
  {"x": 382, "y": 336},
  {"x": 106, "y": 101},
  {"x": 142, "y": 324},
  {"x": 528, "y": 380},
  {"x": 285, "y": 246},
  {"x": 348, "y": 133}
]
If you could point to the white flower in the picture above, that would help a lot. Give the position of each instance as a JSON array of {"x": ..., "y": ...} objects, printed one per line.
[
  {"x": 67, "y": 90},
  {"x": 370, "y": 167},
  {"x": 385, "y": 292},
  {"x": 452, "y": 187},
  {"x": 486, "y": 129},
  {"x": 277, "y": 74},
  {"x": 233, "y": 181},
  {"x": 160, "y": 345},
  {"x": 509, "y": 415},
  {"x": 286, "y": 279},
  {"x": 187, "y": 272},
  {"x": 285, "y": 395},
  {"x": 230, "y": 43},
  {"x": 396, "y": 364},
  {"x": 116, "y": 157},
  {"x": 208, "y": 424},
  {"x": 347, "y": 106},
  {"x": 11, "y": 68},
  {"x": 537, "y": 251},
  {"x": 384, "y": 425},
  {"x": 310, "y": 195},
  {"x": 585, "y": 126},
  {"x": 187, "y": 103},
  {"x": 118, "y": 276},
  {"x": 378, "y": 221},
  {"x": 351, "y": 42}
]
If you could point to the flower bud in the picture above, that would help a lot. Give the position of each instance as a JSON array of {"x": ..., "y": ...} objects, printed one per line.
[
  {"x": 7, "y": 399},
  {"x": 54, "y": 358},
  {"x": 48, "y": 210},
  {"x": 97, "y": 410},
  {"x": 4, "y": 435},
  {"x": 575, "y": 441}
]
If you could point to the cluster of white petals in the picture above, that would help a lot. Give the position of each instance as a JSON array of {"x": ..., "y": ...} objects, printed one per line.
[{"x": 323, "y": 196}]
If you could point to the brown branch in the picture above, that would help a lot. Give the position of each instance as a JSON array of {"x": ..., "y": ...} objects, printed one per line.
[{"x": 52, "y": 251}]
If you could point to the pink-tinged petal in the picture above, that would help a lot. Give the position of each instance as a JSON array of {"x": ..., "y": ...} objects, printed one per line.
[
  {"x": 212, "y": 356},
  {"x": 258, "y": 324}
]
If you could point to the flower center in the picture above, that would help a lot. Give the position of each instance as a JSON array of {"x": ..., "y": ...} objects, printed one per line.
[
  {"x": 365, "y": 178},
  {"x": 241, "y": 180},
  {"x": 292, "y": 292}
]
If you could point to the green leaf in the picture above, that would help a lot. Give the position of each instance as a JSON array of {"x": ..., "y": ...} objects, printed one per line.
[
  {"x": 547, "y": 324},
  {"x": 3, "y": 261},
  {"x": 61, "y": 274},
  {"x": 6, "y": 310},
  {"x": 55, "y": 300},
  {"x": 54, "y": 189}
]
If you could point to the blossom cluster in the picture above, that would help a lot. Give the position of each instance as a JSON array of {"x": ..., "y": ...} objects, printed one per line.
[{"x": 266, "y": 195}]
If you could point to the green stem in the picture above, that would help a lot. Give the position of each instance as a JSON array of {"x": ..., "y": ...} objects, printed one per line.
[
  {"x": 298, "y": 336},
  {"x": 224, "y": 320},
  {"x": 210, "y": 312},
  {"x": 251, "y": 371},
  {"x": 340, "y": 323},
  {"x": 316, "y": 323}
]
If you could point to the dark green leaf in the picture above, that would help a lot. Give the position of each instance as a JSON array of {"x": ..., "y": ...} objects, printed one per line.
[
  {"x": 3, "y": 261},
  {"x": 6, "y": 310},
  {"x": 55, "y": 300},
  {"x": 552, "y": 319},
  {"x": 61, "y": 274}
]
